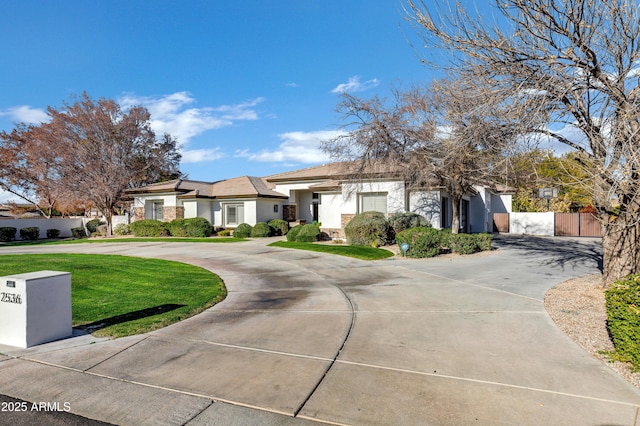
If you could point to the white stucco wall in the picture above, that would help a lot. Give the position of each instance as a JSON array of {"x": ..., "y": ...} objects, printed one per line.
[
  {"x": 480, "y": 211},
  {"x": 190, "y": 209},
  {"x": 64, "y": 225},
  {"x": 394, "y": 189},
  {"x": 501, "y": 203},
  {"x": 532, "y": 223},
  {"x": 265, "y": 210},
  {"x": 426, "y": 204}
]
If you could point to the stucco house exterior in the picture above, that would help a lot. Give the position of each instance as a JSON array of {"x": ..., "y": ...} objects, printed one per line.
[{"x": 323, "y": 193}]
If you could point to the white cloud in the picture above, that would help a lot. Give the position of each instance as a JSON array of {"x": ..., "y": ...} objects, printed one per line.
[
  {"x": 296, "y": 147},
  {"x": 355, "y": 85},
  {"x": 26, "y": 114},
  {"x": 201, "y": 155},
  {"x": 174, "y": 114}
]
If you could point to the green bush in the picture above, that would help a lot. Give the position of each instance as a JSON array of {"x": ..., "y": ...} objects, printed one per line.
[
  {"x": 148, "y": 228},
  {"x": 405, "y": 220},
  {"x": 484, "y": 241},
  {"x": 367, "y": 229},
  {"x": 30, "y": 233},
  {"x": 224, "y": 233},
  {"x": 78, "y": 232},
  {"x": 279, "y": 226},
  {"x": 122, "y": 229},
  {"x": 423, "y": 241},
  {"x": 242, "y": 231},
  {"x": 7, "y": 233},
  {"x": 462, "y": 243},
  {"x": 92, "y": 225},
  {"x": 53, "y": 233},
  {"x": 293, "y": 232},
  {"x": 177, "y": 228},
  {"x": 308, "y": 233},
  {"x": 261, "y": 229},
  {"x": 198, "y": 227},
  {"x": 623, "y": 310}
]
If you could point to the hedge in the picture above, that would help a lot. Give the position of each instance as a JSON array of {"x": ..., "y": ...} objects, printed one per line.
[
  {"x": 405, "y": 220},
  {"x": 293, "y": 232},
  {"x": 368, "y": 228},
  {"x": 176, "y": 228},
  {"x": 423, "y": 241},
  {"x": 30, "y": 233},
  {"x": 623, "y": 311},
  {"x": 78, "y": 232},
  {"x": 308, "y": 233},
  {"x": 198, "y": 227},
  {"x": 7, "y": 233},
  {"x": 279, "y": 226},
  {"x": 53, "y": 233},
  {"x": 242, "y": 231},
  {"x": 148, "y": 228},
  {"x": 92, "y": 225},
  {"x": 260, "y": 230}
]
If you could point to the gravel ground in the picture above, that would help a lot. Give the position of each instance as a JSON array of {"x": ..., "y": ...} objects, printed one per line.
[{"x": 578, "y": 308}]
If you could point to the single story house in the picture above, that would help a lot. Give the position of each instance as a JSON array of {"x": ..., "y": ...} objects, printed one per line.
[{"x": 322, "y": 193}]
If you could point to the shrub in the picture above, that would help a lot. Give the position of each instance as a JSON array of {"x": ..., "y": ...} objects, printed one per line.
[
  {"x": 53, "y": 233},
  {"x": 78, "y": 232},
  {"x": 176, "y": 228},
  {"x": 122, "y": 229},
  {"x": 242, "y": 231},
  {"x": 148, "y": 228},
  {"x": 92, "y": 225},
  {"x": 30, "y": 233},
  {"x": 484, "y": 241},
  {"x": 401, "y": 221},
  {"x": 423, "y": 241},
  {"x": 293, "y": 232},
  {"x": 462, "y": 243},
  {"x": 308, "y": 233},
  {"x": 224, "y": 233},
  {"x": 279, "y": 226},
  {"x": 198, "y": 227},
  {"x": 368, "y": 228},
  {"x": 261, "y": 229},
  {"x": 623, "y": 311},
  {"x": 7, "y": 233}
]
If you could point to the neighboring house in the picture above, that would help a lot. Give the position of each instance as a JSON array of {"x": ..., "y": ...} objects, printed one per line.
[{"x": 323, "y": 193}]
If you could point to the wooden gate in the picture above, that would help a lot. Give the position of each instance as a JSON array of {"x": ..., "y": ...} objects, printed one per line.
[
  {"x": 501, "y": 222},
  {"x": 576, "y": 225}
]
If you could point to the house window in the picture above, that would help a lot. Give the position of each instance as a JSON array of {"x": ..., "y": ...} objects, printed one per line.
[
  {"x": 234, "y": 214},
  {"x": 372, "y": 202},
  {"x": 158, "y": 210},
  {"x": 275, "y": 208}
]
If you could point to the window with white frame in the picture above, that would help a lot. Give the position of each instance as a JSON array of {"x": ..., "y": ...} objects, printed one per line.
[
  {"x": 234, "y": 214},
  {"x": 372, "y": 202}
]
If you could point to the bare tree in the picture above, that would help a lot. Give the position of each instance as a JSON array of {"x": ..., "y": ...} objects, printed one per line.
[
  {"x": 577, "y": 60},
  {"x": 90, "y": 150},
  {"x": 443, "y": 136}
]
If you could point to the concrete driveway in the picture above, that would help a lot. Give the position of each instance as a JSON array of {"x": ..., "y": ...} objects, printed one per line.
[{"x": 306, "y": 337}]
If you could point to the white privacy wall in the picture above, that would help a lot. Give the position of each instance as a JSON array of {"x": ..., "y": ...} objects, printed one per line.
[
  {"x": 532, "y": 223},
  {"x": 427, "y": 204}
]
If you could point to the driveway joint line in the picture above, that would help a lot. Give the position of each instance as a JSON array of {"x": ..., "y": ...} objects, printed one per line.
[{"x": 488, "y": 382}]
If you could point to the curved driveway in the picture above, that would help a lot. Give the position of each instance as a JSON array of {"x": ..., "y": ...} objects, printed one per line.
[{"x": 307, "y": 337}]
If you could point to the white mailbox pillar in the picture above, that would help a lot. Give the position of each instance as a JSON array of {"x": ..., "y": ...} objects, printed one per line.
[{"x": 35, "y": 308}]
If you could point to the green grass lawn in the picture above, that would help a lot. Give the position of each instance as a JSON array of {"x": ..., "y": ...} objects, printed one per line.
[
  {"x": 358, "y": 252},
  {"x": 126, "y": 240},
  {"x": 120, "y": 295}
]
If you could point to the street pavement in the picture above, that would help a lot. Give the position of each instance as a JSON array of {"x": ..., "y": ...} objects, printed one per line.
[{"x": 306, "y": 337}]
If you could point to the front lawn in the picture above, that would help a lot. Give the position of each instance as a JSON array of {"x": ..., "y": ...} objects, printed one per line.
[
  {"x": 358, "y": 252},
  {"x": 119, "y": 295}
]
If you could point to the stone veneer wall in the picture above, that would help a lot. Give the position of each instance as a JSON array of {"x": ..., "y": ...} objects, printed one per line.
[
  {"x": 138, "y": 213},
  {"x": 172, "y": 212}
]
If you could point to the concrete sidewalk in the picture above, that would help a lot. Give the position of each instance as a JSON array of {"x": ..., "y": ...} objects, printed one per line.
[{"x": 306, "y": 337}]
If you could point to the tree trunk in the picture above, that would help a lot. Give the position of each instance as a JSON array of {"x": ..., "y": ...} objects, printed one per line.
[
  {"x": 620, "y": 247},
  {"x": 455, "y": 213}
]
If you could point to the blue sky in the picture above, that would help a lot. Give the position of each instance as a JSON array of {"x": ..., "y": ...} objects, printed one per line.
[{"x": 248, "y": 88}]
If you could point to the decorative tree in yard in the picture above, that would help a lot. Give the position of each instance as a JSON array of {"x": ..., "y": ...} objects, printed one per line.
[
  {"x": 578, "y": 62},
  {"x": 91, "y": 150},
  {"x": 449, "y": 135}
]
